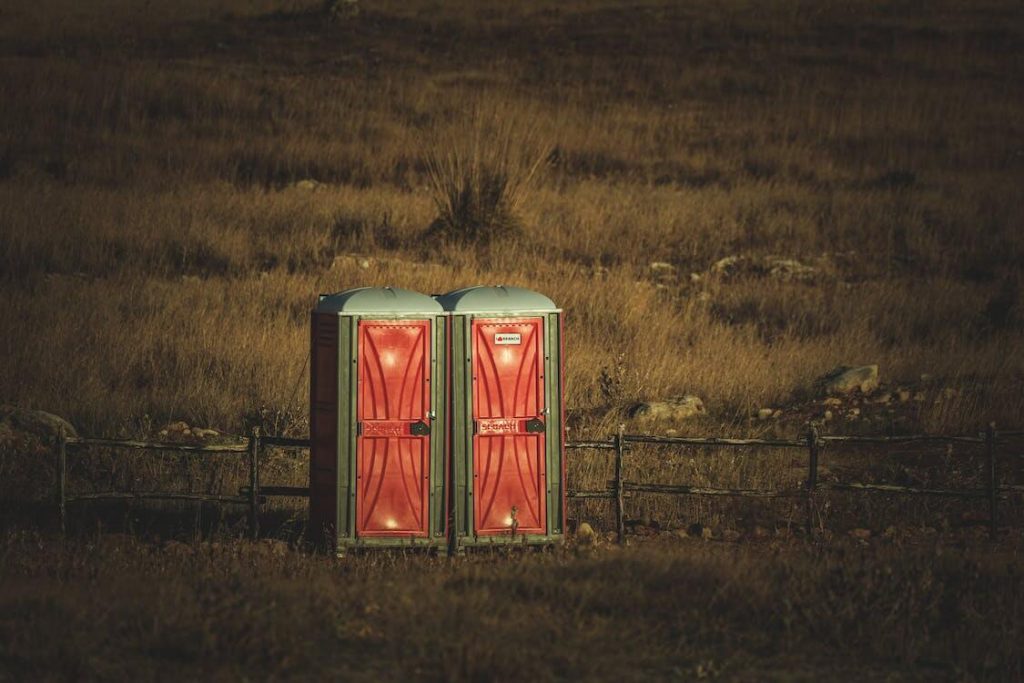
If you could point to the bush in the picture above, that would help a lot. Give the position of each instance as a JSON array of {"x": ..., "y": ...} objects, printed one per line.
[{"x": 479, "y": 175}]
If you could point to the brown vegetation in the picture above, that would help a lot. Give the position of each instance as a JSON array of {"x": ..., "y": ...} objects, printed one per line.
[
  {"x": 178, "y": 181},
  {"x": 159, "y": 259},
  {"x": 753, "y": 612}
]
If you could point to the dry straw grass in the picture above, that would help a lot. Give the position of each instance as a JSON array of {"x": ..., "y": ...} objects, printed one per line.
[
  {"x": 159, "y": 260},
  {"x": 261, "y": 610}
]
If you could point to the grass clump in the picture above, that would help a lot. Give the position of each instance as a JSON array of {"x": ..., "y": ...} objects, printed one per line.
[{"x": 479, "y": 174}]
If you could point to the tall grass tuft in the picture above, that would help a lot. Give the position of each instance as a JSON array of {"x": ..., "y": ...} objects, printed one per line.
[{"x": 479, "y": 176}]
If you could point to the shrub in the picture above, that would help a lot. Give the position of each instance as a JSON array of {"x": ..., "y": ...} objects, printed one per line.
[{"x": 479, "y": 175}]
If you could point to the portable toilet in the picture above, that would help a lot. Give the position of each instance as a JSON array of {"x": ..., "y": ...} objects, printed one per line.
[
  {"x": 377, "y": 460},
  {"x": 507, "y": 441}
]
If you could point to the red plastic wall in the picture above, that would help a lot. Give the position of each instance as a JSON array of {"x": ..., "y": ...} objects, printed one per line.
[
  {"x": 508, "y": 390},
  {"x": 392, "y": 471}
]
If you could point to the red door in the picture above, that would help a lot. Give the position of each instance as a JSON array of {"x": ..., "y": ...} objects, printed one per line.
[
  {"x": 393, "y": 443},
  {"x": 508, "y": 425}
]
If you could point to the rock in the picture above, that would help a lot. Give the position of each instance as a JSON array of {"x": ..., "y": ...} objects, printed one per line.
[
  {"x": 585, "y": 534},
  {"x": 775, "y": 267},
  {"x": 177, "y": 426},
  {"x": 661, "y": 268},
  {"x": 789, "y": 270},
  {"x": 307, "y": 184},
  {"x": 883, "y": 398},
  {"x": 862, "y": 534},
  {"x": 765, "y": 414},
  {"x": 903, "y": 395},
  {"x": 695, "y": 278},
  {"x": 919, "y": 397},
  {"x": 777, "y": 414},
  {"x": 37, "y": 423},
  {"x": 727, "y": 266},
  {"x": 853, "y": 413},
  {"x": 832, "y": 402},
  {"x": 845, "y": 379},
  {"x": 677, "y": 408},
  {"x": 827, "y": 416},
  {"x": 364, "y": 263}
]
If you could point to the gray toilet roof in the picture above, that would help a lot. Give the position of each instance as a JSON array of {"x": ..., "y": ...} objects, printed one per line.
[
  {"x": 499, "y": 299},
  {"x": 378, "y": 300}
]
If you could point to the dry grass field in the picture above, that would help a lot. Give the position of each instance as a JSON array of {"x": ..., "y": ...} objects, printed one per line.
[
  {"x": 179, "y": 180},
  {"x": 112, "y": 608}
]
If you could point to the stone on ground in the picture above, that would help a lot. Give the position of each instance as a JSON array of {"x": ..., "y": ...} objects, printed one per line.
[
  {"x": 585, "y": 533},
  {"x": 846, "y": 379},
  {"x": 39, "y": 424},
  {"x": 676, "y": 408}
]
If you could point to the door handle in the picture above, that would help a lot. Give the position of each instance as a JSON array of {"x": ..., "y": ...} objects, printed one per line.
[
  {"x": 420, "y": 428},
  {"x": 535, "y": 425}
]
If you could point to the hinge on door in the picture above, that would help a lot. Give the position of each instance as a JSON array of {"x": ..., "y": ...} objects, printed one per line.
[{"x": 359, "y": 428}]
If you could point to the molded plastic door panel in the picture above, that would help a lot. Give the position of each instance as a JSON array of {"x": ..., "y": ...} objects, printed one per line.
[
  {"x": 393, "y": 442},
  {"x": 509, "y": 426}
]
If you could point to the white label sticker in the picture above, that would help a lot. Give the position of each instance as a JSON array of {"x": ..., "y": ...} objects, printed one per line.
[{"x": 508, "y": 339}]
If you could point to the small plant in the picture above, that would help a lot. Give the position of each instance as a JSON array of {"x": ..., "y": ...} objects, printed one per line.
[
  {"x": 479, "y": 176},
  {"x": 611, "y": 379}
]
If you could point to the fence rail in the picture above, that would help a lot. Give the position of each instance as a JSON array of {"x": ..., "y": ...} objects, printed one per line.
[{"x": 620, "y": 443}]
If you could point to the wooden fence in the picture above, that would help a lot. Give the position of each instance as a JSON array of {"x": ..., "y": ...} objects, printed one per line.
[
  {"x": 812, "y": 444},
  {"x": 256, "y": 493}
]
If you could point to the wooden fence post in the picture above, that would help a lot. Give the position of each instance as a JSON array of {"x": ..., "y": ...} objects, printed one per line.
[
  {"x": 254, "y": 483},
  {"x": 62, "y": 485},
  {"x": 813, "y": 445},
  {"x": 620, "y": 502},
  {"x": 993, "y": 485}
]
